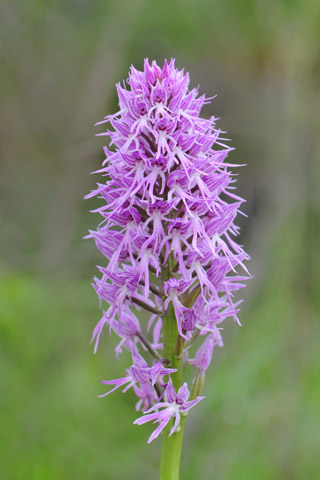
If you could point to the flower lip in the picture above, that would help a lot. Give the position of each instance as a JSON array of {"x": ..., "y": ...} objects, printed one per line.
[
  {"x": 189, "y": 320},
  {"x": 142, "y": 109}
]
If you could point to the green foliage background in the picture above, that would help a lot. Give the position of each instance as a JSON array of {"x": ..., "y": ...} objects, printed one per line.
[{"x": 60, "y": 61}]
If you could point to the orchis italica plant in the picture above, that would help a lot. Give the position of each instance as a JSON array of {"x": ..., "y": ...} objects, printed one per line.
[{"x": 168, "y": 235}]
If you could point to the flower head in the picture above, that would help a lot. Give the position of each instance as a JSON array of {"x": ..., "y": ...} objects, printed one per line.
[{"x": 168, "y": 235}]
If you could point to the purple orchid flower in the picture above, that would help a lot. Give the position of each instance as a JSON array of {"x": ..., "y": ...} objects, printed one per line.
[
  {"x": 138, "y": 373},
  {"x": 175, "y": 404},
  {"x": 168, "y": 235}
]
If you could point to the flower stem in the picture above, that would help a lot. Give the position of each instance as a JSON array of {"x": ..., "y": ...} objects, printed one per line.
[
  {"x": 171, "y": 446},
  {"x": 171, "y": 452},
  {"x": 149, "y": 347},
  {"x": 146, "y": 306}
]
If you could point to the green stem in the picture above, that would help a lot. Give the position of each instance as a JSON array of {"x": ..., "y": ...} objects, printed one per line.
[
  {"x": 171, "y": 452},
  {"x": 171, "y": 446}
]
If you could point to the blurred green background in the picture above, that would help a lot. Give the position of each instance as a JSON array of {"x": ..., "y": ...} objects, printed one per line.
[{"x": 60, "y": 61}]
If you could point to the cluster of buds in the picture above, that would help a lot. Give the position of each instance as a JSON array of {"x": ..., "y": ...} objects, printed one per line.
[{"x": 168, "y": 234}]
